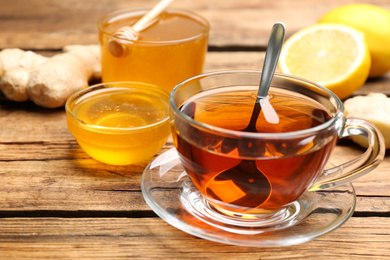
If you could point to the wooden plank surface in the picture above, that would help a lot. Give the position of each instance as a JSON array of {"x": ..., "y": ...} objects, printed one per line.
[
  {"x": 45, "y": 159},
  {"x": 51, "y": 24},
  {"x": 151, "y": 238},
  {"x": 51, "y": 189},
  {"x": 57, "y": 203}
]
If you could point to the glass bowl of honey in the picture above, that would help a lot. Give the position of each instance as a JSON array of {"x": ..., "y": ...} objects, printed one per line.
[
  {"x": 173, "y": 47},
  {"x": 119, "y": 123}
]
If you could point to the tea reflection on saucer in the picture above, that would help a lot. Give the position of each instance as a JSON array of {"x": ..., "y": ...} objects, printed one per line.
[{"x": 171, "y": 195}]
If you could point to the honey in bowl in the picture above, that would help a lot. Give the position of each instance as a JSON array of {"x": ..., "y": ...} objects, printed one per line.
[
  {"x": 119, "y": 123},
  {"x": 171, "y": 49}
]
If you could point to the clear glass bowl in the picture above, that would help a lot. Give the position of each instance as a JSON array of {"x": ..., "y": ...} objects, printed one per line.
[{"x": 119, "y": 123}]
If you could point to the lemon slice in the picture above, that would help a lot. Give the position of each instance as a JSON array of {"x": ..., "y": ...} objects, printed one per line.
[
  {"x": 334, "y": 56},
  {"x": 374, "y": 22}
]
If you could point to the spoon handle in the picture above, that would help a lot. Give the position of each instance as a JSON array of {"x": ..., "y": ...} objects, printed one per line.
[{"x": 271, "y": 58}]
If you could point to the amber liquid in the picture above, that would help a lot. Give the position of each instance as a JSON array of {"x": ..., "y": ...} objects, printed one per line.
[
  {"x": 120, "y": 126},
  {"x": 290, "y": 166},
  {"x": 168, "y": 52}
]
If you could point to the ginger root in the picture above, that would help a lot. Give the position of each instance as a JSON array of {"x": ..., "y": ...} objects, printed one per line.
[
  {"x": 374, "y": 107},
  {"x": 48, "y": 82},
  {"x": 15, "y": 67}
]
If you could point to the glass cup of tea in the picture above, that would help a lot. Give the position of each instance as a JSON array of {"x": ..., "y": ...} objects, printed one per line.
[
  {"x": 171, "y": 49},
  {"x": 254, "y": 179}
]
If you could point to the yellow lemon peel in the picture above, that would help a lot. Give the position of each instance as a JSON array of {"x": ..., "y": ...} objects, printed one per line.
[
  {"x": 334, "y": 56},
  {"x": 374, "y": 22}
]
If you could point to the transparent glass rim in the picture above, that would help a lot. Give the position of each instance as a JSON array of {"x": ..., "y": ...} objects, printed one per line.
[
  {"x": 234, "y": 133},
  {"x": 142, "y": 11},
  {"x": 119, "y": 85}
]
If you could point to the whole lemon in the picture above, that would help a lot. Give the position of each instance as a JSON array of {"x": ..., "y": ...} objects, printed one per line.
[{"x": 374, "y": 22}]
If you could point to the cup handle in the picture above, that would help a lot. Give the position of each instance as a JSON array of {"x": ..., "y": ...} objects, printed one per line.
[{"x": 359, "y": 166}]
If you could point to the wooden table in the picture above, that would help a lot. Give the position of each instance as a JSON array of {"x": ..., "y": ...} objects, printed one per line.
[{"x": 56, "y": 202}]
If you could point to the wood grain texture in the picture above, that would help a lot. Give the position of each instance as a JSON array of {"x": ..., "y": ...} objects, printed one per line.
[
  {"x": 58, "y": 203},
  {"x": 39, "y": 155},
  {"x": 51, "y": 24},
  {"x": 151, "y": 238}
]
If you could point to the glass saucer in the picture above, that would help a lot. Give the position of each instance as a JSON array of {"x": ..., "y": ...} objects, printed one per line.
[{"x": 165, "y": 184}]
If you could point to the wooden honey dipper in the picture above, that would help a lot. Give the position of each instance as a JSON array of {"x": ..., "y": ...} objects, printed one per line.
[{"x": 131, "y": 33}]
